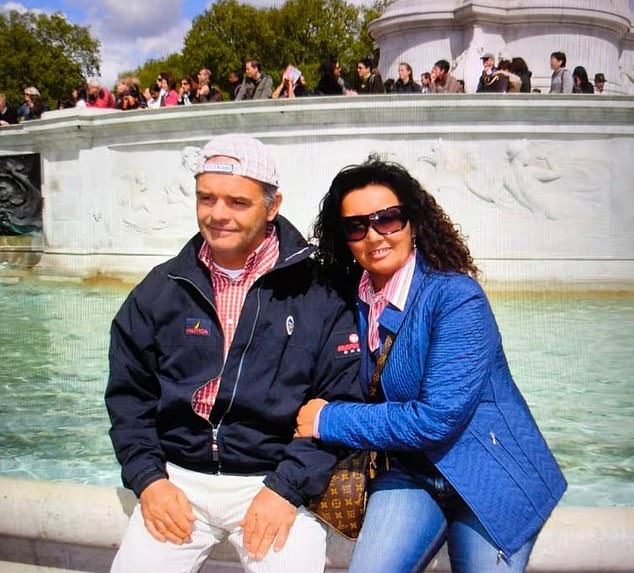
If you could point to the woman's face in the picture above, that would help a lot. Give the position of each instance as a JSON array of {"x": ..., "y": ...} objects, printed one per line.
[
  {"x": 403, "y": 73},
  {"x": 380, "y": 255}
]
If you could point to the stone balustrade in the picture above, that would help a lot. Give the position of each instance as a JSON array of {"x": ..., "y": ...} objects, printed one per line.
[
  {"x": 70, "y": 528},
  {"x": 540, "y": 185}
]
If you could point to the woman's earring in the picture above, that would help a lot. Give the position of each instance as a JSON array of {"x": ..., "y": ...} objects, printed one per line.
[{"x": 413, "y": 240}]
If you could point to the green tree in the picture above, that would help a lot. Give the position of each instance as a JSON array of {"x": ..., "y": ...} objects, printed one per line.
[
  {"x": 225, "y": 35},
  {"x": 45, "y": 51}
]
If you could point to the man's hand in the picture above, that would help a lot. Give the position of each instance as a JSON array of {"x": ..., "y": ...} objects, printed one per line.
[
  {"x": 269, "y": 519},
  {"x": 167, "y": 512},
  {"x": 306, "y": 417}
]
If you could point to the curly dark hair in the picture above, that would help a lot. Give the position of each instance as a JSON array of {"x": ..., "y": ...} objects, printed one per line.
[{"x": 438, "y": 240}]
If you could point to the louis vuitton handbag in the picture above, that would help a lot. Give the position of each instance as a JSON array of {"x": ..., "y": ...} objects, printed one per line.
[{"x": 342, "y": 505}]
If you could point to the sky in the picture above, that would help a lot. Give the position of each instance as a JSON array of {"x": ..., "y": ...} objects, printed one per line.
[{"x": 131, "y": 32}]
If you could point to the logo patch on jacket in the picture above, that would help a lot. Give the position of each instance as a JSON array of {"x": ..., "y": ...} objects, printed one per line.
[
  {"x": 197, "y": 326},
  {"x": 346, "y": 343}
]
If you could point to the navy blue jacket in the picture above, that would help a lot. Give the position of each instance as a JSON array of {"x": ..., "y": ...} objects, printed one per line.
[
  {"x": 450, "y": 396},
  {"x": 295, "y": 340}
]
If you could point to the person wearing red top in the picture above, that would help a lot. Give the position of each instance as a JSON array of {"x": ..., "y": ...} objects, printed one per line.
[{"x": 99, "y": 96}]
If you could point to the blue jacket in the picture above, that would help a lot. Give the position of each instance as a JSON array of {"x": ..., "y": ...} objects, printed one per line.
[
  {"x": 450, "y": 395},
  {"x": 292, "y": 343}
]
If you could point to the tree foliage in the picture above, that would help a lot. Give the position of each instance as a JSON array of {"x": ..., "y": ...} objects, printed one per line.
[
  {"x": 44, "y": 51},
  {"x": 302, "y": 32}
]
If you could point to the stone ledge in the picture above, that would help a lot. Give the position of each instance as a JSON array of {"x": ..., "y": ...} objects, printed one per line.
[{"x": 72, "y": 528}]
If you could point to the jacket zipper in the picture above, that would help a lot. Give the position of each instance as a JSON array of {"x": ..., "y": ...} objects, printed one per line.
[
  {"x": 235, "y": 385},
  {"x": 214, "y": 429}
]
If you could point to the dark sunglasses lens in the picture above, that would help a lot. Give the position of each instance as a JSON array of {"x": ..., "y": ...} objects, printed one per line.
[
  {"x": 389, "y": 221},
  {"x": 355, "y": 228}
]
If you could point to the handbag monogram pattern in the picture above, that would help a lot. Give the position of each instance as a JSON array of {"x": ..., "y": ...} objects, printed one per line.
[{"x": 342, "y": 505}]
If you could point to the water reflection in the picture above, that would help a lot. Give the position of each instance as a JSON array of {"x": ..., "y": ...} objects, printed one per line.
[{"x": 570, "y": 354}]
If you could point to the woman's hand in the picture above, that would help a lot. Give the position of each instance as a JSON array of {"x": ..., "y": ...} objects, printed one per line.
[{"x": 306, "y": 417}]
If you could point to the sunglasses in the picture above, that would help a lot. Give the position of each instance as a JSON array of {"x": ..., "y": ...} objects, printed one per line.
[{"x": 384, "y": 222}]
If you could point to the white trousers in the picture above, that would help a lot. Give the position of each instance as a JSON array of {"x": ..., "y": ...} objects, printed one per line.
[{"x": 219, "y": 503}]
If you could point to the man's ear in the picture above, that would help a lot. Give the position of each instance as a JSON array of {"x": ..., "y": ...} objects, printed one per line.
[{"x": 274, "y": 208}]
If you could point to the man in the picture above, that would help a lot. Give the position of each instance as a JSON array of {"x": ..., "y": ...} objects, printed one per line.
[
  {"x": 255, "y": 84},
  {"x": 489, "y": 80},
  {"x": 211, "y": 357},
  {"x": 441, "y": 80},
  {"x": 561, "y": 81},
  {"x": 8, "y": 115},
  {"x": 599, "y": 83},
  {"x": 370, "y": 82},
  {"x": 205, "y": 91}
]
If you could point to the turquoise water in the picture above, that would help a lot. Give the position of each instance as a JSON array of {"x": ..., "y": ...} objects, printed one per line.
[{"x": 571, "y": 355}]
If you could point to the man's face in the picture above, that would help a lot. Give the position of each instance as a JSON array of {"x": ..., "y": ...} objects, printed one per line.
[
  {"x": 250, "y": 71},
  {"x": 232, "y": 214},
  {"x": 598, "y": 84},
  {"x": 487, "y": 64},
  {"x": 437, "y": 73},
  {"x": 203, "y": 76},
  {"x": 362, "y": 70}
]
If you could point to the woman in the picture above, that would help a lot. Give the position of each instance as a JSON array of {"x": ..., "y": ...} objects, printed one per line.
[
  {"x": 582, "y": 83},
  {"x": 520, "y": 68},
  {"x": 460, "y": 456},
  {"x": 405, "y": 83},
  {"x": 330, "y": 82}
]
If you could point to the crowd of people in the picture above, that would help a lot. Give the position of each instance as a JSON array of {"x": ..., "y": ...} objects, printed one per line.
[{"x": 507, "y": 75}]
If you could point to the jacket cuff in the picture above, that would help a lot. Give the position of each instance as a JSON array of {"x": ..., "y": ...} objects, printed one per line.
[
  {"x": 145, "y": 478},
  {"x": 273, "y": 482}
]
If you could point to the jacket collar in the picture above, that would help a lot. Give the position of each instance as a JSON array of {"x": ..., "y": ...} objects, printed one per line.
[
  {"x": 293, "y": 249},
  {"x": 392, "y": 318}
]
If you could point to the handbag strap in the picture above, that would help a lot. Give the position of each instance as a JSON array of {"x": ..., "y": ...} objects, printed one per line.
[{"x": 373, "y": 388}]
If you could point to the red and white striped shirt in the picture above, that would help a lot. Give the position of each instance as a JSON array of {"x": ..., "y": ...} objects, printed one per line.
[
  {"x": 394, "y": 292},
  {"x": 229, "y": 297}
]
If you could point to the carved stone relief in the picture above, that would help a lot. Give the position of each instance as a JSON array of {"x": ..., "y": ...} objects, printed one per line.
[
  {"x": 20, "y": 194},
  {"x": 531, "y": 177}
]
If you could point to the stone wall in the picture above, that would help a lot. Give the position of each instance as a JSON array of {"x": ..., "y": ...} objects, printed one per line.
[{"x": 540, "y": 185}]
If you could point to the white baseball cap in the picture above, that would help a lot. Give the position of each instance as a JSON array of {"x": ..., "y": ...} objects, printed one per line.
[{"x": 254, "y": 158}]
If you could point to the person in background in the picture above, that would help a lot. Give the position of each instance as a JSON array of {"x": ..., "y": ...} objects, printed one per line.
[
  {"x": 441, "y": 80},
  {"x": 561, "y": 81},
  {"x": 425, "y": 83},
  {"x": 235, "y": 80},
  {"x": 33, "y": 106},
  {"x": 128, "y": 94},
  {"x": 169, "y": 95},
  {"x": 255, "y": 84},
  {"x": 206, "y": 91},
  {"x": 489, "y": 82},
  {"x": 8, "y": 115},
  {"x": 520, "y": 68},
  {"x": 370, "y": 82},
  {"x": 330, "y": 80},
  {"x": 79, "y": 96},
  {"x": 185, "y": 93},
  {"x": 462, "y": 87},
  {"x": 292, "y": 85},
  {"x": 581, "y": 81},
  {"x": 99, "y": 96},
  {"x": 599, "y": 83},
  {"x": 152, "y": 95},
  {"x": 513, "y": 81},
  {"x": 405, "y": 83},
  {"x": 460, "y": 458}
]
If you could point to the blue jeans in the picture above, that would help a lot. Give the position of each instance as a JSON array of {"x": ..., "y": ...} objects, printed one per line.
[{"x": 410, "y": 516}]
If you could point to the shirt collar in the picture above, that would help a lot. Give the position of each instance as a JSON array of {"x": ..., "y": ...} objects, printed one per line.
[{"x": 396, "y": 288}]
